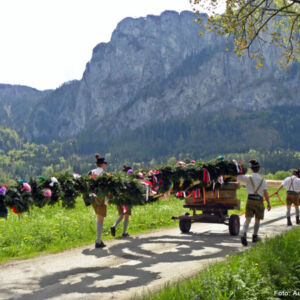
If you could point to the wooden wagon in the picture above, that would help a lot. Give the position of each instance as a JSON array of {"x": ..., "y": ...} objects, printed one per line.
[{"x": 214, "y": 206}]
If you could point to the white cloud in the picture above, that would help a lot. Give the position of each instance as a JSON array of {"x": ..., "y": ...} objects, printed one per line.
[{"x": 44, "y": 43}]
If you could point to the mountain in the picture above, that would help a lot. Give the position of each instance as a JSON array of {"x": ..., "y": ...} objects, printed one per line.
[
  {"x": 16, "y": 102},
  {"x": 158, "y": 69},
  {"x": 157, "y": 89}
]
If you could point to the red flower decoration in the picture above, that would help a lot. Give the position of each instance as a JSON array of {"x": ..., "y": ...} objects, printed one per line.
[{"x": 14, "y": 210}]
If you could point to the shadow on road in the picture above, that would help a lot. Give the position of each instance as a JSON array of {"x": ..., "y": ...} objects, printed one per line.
[
  {"x": 134, "y": 274},
  {"x": 131, "y": 261}
]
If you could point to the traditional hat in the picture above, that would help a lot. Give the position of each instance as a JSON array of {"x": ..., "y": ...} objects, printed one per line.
[
  {"x": 126, "y": 169},
  {"x": 254, "y": 164},
  {"x": 100, "y": 160}
]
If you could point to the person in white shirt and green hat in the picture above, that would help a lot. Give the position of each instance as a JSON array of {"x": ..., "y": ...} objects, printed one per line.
[
  {"x": 257, "y": 191},
  {"x": 292, "y": 185}
]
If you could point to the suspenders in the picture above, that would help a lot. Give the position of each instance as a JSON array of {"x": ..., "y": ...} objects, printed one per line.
[
  {"x": 291, "y": 190},
  {"x": 291, "y": 185},
  {"x": 253, "y": 186},
  {"x": 255, "y": 196}
]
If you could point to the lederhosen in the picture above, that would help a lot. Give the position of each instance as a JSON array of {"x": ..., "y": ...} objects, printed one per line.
[
  {"x": 99, "y": 206},
  {"x": 255, "y": 203},
  {"x": 292, "y": 197},
  {"x": 124, "y": 210}
]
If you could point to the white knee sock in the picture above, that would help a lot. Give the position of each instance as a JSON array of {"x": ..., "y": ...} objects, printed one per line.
[
  {"x": 99, "y": 232},
  {"x": 256, "y": 227},
  {"x": 288, "y": 211},
  {"x": 297, "y": 210},
  {"x": 126, "y": 221},
  {"x": 119, "y": 219},
  {"x": 245, "y": 228}
]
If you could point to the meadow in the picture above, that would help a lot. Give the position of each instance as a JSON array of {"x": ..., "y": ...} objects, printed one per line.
[{"x": 53, "y": 228}]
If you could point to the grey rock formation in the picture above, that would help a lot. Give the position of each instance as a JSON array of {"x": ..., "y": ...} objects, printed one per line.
[{"x": 158, "y": 68}]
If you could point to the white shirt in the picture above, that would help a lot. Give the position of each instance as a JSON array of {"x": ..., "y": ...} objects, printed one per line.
[
  {"x": 292, "y": 183},
  {"x": 97, "y": 171},
  {"x": 256, "y": 180}
]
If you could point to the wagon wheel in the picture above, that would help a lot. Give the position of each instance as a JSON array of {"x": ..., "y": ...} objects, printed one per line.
[
  {"x": 234, "y": 225},
  {"x": 185, "y": 224}
]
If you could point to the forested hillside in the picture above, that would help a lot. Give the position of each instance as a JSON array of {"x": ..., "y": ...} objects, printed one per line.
[
  {"x": 265, "y": 136},
  {"x": 20, "y": 159},
  {"x": 205, "y": 135}
]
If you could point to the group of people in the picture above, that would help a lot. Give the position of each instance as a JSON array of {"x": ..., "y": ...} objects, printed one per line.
[
  {"x": 99, "y": 206},
  {"x": 257, "y": 192}
]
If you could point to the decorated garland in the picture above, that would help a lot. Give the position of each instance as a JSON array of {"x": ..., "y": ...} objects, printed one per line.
[
  {"x": 131, "y": 188},
  {"x": 19, "y": 197}
]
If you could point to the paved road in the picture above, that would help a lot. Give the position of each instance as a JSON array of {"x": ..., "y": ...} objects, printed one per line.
[{"x": 127, "y": 267}]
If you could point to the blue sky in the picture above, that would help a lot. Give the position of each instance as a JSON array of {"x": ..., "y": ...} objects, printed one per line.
[{"x": 47, "y": 42}]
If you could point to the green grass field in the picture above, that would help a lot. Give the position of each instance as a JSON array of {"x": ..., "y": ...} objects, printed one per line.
[
  {"x": 263, "y": 272},
  {"x": 53, "y": 229}
]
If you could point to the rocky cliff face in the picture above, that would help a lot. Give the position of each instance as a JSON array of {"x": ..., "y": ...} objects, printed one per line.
[{"x": 160, "y": 68}]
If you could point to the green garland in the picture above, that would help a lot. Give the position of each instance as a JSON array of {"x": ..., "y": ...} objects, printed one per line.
[
  {"x": 55, "y": 190},
  {"x": 17, "y": 199},
  {"x": 119, "y": 188},
  {"x": 39, "y": 199}
]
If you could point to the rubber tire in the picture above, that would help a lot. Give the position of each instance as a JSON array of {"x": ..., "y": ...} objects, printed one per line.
[
  {"x": 185, "y": 225},
  {"x": 234, "y": 225}
]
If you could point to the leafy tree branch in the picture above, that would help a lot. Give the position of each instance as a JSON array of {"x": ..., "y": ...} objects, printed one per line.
[{"x": 254, "y": 23}]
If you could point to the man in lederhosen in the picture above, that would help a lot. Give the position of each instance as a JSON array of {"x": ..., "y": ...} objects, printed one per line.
[
  {"x": 292, "y": 185},
  {"x": 99, "y": 204},
  {"x": 257, "y": 191}
]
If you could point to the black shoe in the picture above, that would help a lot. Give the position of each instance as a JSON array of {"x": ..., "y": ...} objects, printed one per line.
[
  {"x": 289, "y": 222},
  {"x": 101, "y": 245},
  {"x": 113, "y": 231},
  {"x": 297, "y": 220},
  {"x": 244, "y": 240},
  {"x": 255, "y": 238},
  {"x": 125, "y": 234}
]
